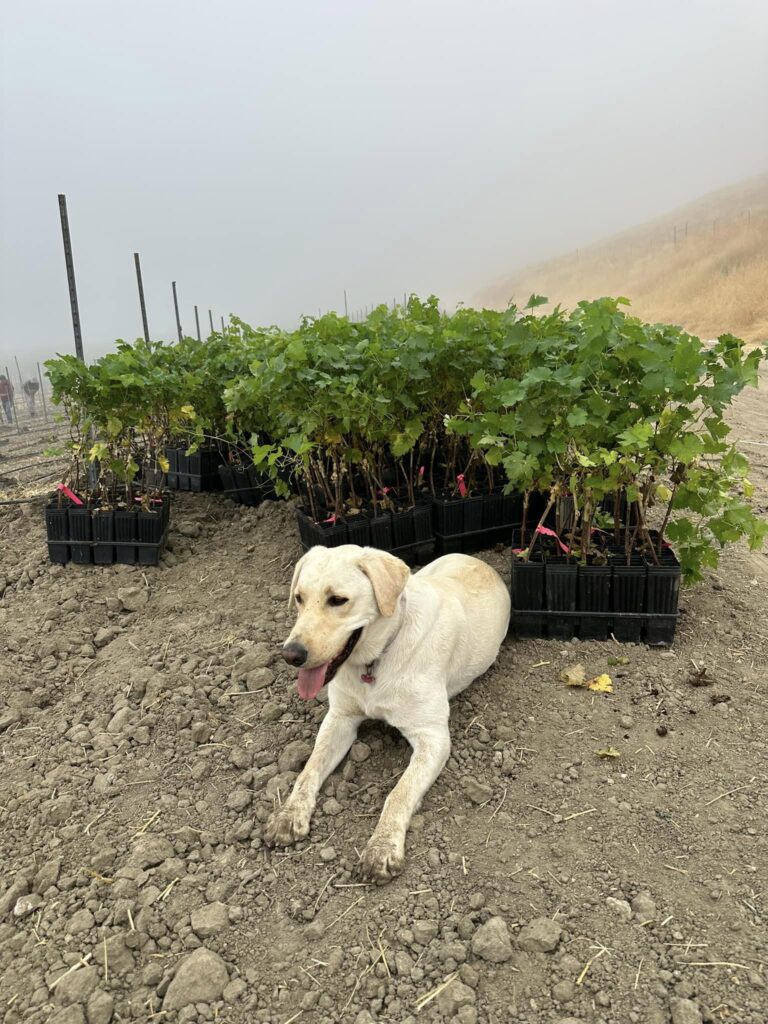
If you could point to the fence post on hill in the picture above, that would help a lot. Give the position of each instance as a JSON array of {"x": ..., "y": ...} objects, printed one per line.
[
  {"x": 210, "y": 317},
  {"x": 137, "y": 263},
  {"x": 345, "y": 303},
  {"x": 68, "y": 260},
  {"x": 18, "y": 371},
  {"x": 13, "y": 401},
  {"x": 42, "y": 392},
  {"x": 223, "y": 332},
  {"x": 197, "y": 324},
  {"x": 176, "y": 308}
]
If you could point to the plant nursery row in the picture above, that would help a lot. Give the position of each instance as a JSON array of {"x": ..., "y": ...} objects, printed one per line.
[{"x": 599, "y": 440}]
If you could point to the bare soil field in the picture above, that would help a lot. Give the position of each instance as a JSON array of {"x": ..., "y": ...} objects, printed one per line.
[{"x": 148, "y": 728}]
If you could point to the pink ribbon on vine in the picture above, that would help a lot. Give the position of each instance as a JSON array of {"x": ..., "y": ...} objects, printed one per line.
[
  {"x": 68, "y": 494},
  {"x": 545, "y": 530},
  {"x": 462, "y": 485},
  {"x": 331, "y": 519}
]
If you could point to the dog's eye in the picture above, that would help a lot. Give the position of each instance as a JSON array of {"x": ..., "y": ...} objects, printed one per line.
[
  {"x": 299, "y": 599},
  {"x": 335, "y": 600}
]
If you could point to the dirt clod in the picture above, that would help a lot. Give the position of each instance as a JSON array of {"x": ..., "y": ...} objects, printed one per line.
[
  {"x": 541, "y": 935},
  {"x": 685, "y": 1011},
  {"x": 201, "y": 978},
  {"x": 491, "y": 941}
]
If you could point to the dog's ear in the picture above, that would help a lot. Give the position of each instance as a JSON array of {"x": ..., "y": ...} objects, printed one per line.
[
  {"x": 295, "y": 580},
  {"x": 388, "y": 576}
]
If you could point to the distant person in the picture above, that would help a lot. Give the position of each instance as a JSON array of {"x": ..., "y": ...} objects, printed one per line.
[
  {"x": 31, "y": 387},
  {"x": 6, "y": 397}
]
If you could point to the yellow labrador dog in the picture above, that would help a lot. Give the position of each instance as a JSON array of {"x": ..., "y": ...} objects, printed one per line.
[{"x": 397, "y": 647}]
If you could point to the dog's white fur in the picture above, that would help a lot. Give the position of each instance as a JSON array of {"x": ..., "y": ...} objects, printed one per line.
[{"x": 429, "y": 634}]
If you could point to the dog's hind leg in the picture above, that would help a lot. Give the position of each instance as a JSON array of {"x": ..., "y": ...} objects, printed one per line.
[
  {"x": 384, "y": 855},
  {"x": 290, "y": 823}
]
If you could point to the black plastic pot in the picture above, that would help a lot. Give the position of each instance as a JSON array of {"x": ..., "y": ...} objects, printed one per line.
[
  {"x": 381, "y": 531},
  {"x": 79, "y": 518},
  {"x": 402, "y": 529},
  {"x": 628, "y": 597},
  {"x": 594, "y": 595},
  {"x": 662, "y": 599},
  {"x": 560, "y": 588},
  {"x": 57, "y": 530},
  {"x": 125, "y": 536},
  {"x": 227, "y": 478},
  {"x": 527, "y": 597},
  {"x": 172, "y": 476},
  {"x": 512, "y": 509},
  {"x": 103, "y": 529},
  {"x": 359, "y": 530},
  {"x": 150, "y": 527},
  {"x": 473, "y": 513},
  {"x": 422, "y": 522},
  {"x": 493, "y": 510},
  {"x": 448, "y": 516}
]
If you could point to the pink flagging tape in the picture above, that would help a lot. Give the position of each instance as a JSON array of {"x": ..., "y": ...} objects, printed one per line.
[
  {"x": 462, "y": 485},
  {"x": 551, "y": 533},
  {"x": 68, "y": 494}
]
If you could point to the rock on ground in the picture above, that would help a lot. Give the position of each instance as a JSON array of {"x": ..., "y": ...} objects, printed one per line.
[
  {"x": 210, "y": 919},
  {"x": 541, "y": 935},
  {"x": 685, "y": 1011},
  {"x": 201, "y": 978},
  {"x": 452, "y": 998},
  {"x": 491, "y": 941}
]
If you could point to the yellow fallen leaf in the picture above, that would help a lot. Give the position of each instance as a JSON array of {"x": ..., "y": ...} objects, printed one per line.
[
  {"x": 600, "y": 684},
  {"x": 608, "y": 752},
  {"x": 576, "y": 675}
]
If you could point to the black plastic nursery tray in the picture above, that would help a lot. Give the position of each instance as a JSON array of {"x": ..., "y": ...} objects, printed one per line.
[
  {"x": 560, "y": 599},
  {"x": 245, "y": 485},
  {"x": 89, "y": 535},
  {"x": 406, "y": 534},
  {"x": 195, "y": 472},
  {"x": 477, "y": 522}
]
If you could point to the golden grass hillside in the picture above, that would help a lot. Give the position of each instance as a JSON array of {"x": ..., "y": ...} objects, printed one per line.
[{"x": 704, "y": 266}]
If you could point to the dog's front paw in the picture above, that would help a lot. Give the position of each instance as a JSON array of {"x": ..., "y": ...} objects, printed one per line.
[
  {"x": 382, "y": 859},
  {"x": 287, "y": 826}
]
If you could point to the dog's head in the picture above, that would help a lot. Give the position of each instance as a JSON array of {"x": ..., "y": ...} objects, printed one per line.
[{"x": 337, "y": 592}]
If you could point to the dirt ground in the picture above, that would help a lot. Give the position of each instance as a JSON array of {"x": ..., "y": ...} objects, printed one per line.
[{"x": 148, "y": 728}]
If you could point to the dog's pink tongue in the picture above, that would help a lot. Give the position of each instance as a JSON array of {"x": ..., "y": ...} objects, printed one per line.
[{"x": 310, "y": 681}]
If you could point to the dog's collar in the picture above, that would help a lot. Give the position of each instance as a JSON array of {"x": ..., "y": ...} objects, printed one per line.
[{"x": 368, "y": 676}]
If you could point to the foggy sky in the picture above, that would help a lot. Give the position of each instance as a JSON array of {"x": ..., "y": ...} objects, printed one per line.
[{"x": 268, "y": 155}]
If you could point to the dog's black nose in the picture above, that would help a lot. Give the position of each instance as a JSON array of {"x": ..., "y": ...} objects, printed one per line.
[{"x": 295, "y": 654}]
